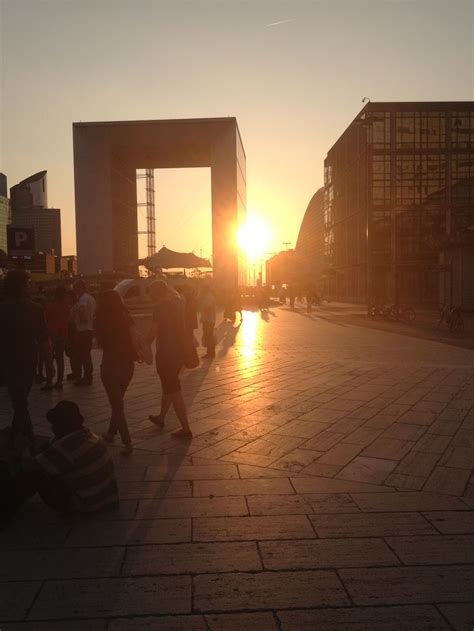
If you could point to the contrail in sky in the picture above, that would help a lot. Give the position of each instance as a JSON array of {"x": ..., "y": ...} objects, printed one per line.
[{"x": 278, "y": 23}]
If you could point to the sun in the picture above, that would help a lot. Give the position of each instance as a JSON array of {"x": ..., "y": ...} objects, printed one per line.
[{"x": 253, "y": 237}]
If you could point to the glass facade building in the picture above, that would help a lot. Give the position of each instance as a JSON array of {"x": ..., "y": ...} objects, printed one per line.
[
  {"x": 29, "y": 201},
  {"x": 5, "y": 213},
  {"x": 399, "y": 205}
]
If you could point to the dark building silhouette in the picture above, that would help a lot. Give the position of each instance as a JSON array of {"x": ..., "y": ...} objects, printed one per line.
[
  {"x": 309, "y": 250},
  {"x": 399, "y": 205},
  {"x": 29, "y": 208},
  {"x": 281, "y": 269},
  {"x": 5, "y": 212}
]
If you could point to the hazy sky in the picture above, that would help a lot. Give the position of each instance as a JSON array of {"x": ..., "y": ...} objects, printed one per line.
[{"x": 293, "y": 74}]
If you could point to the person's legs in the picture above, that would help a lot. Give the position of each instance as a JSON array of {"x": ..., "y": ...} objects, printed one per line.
[
  {"x": 75, "y": 362},
  {"x": 159, "y": 419},
  {"x": 18, "y": 489},
  {"x": 112, "y": 391},
  {"x": 58, "y": 348},
  {"x": 172, "y": 387},
  {"x": 54, "y": 493},
  {"x": 14, "y": 491},
  {"x": 208, "y": 338},
  {"x": 18, "y": 386},
  {"x": 126, "y": 374},
  {"x": 116, "y": 380},
  {"x": 181, "y": 412},
  {"x": 84, "y": 341}
]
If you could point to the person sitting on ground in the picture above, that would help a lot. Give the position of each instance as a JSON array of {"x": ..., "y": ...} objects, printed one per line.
[{"x": 74, "y": 473}]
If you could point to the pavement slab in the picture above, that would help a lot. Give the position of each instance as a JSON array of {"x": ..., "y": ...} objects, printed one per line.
[
  {"x": 396, "y": 585},
  {"x": 24, "y": 565},
  {"x": 267, "y": 590},
  {"x": 460, "y": 615},
  {"x": 252, "y": 528},
  {"x": 327, "y": 553},
  {"x": 105, "y": 598},
  {"x": 371, "y": 525},
  {"x": 16, "y": 598},
  {"x": 433, "y": 550},
  {"x": 401, "y": 618},
  {"x": 452, "y": 522},
  {"x": 192, "y": 558},
  {"x": 163, "y": 623},
  {"x": 407, "y": 501},
  {"x": 224, "y": 488},
  {"x": 136, "y": 532}
]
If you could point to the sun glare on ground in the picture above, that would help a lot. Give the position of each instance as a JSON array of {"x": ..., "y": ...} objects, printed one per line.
[{"x": 253, "y": 238}]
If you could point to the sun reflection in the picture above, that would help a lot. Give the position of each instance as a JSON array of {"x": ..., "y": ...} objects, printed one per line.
[{"x": 248, "y": 336}]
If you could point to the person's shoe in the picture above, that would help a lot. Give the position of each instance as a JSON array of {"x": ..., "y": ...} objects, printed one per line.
[
  {"x": 46, "y": 387},
  {"x": 40, "y": 379},
  {"x": 58, "y": 386},
  {"x": 71, "y": 377},
  {"x": 184, "y": 434},
  {"x": 156, "y": 420},
  {"x": 208, "y": 356},
  {"x": 126, "y": 449},
  {"x": 109, "y": 438},
  {"x": 83, "y": 382}
]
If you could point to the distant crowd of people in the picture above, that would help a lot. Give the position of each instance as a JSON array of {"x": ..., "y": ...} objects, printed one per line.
[{"x": 75, "y": 471}]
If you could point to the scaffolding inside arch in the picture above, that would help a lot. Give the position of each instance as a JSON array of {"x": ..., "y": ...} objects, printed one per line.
[{"x": 149, "y": 205}]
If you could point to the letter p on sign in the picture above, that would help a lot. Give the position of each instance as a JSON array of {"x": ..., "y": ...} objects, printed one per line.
[{"x": 21, "y": 238}]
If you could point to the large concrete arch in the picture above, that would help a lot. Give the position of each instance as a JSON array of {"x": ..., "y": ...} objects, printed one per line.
[{"x": 106, "y": 156}]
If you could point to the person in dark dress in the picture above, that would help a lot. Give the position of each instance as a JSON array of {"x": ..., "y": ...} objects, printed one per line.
[
  {"x": 115, "y": 331},
  {"x": 168, "y": 328},
  {"x": 23, "y": 337}
]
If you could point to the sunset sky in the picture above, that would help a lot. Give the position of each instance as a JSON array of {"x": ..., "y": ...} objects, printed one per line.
[{"x": 294, "y": 74}]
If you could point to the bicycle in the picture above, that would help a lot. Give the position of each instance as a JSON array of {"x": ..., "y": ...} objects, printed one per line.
[
  {"x": 377, "y": 311},
  {"x": 400, "y": 312},
  {"x": 452, "y": 316}
]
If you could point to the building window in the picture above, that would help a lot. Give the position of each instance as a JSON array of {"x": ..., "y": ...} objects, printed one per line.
[
  {"x": 462, "y": 129},
  {"x": 462, "y": 169},
  {"x": 380, "y": 231},
  {"x": 379, "y": 129},
  {"x": 425, "y": 130},
  {"x": 381, "y": 180},
  {"x": 420, "y": 178}
]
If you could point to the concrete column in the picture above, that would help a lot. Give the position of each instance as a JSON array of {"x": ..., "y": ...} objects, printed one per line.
[{"x": 93, "y": 197}]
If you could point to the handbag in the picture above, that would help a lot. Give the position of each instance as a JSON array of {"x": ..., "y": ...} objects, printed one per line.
[{"x": 191, "y": 357}]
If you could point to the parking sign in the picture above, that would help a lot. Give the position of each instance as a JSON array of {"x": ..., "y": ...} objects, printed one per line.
[{"x": 21, "y": 241}]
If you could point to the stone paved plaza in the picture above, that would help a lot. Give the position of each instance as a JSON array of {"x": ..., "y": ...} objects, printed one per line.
[{"x": 328, "y": 486}]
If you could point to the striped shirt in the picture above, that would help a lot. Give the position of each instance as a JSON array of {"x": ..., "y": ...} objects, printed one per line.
[{"x": 84, "y": 464}]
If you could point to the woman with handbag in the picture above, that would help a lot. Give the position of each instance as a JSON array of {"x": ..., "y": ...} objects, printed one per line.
[
  {"x": 117, "y": 335},
  {"x": 173, "y": 351}
]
